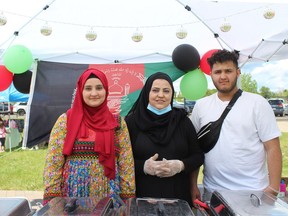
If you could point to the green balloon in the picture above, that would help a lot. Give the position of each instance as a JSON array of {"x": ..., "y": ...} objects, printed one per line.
[
  {"x": 18, "y": 59},
  {"x": 194, "y": 85}
]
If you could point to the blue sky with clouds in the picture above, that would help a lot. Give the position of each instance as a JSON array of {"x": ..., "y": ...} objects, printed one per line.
[{"x": 273, "y": 75}]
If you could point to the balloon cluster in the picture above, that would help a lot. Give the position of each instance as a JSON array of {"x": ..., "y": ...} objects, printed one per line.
[
  {"x": 17, "y": 61},
  {"x": 194, "y": 83}
]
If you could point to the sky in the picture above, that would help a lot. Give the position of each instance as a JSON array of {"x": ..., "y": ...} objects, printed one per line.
[{"x": 273, "y": 75}]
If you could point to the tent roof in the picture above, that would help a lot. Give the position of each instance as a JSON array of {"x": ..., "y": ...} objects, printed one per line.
[{"x": 257, "y": 38}]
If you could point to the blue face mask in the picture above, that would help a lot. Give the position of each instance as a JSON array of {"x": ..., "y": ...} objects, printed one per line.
[{"x": 159, "y": 112}]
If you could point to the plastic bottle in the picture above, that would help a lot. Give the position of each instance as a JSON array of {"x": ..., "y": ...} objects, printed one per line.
[{"x": 282, "y": 189}]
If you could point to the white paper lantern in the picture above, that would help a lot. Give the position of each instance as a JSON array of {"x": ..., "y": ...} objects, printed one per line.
[
  {"x": 3, "y": 19},
  {"x": 181, "y": 33},
  {"x": 91, "y": 35},
  {"x": 225, "y": 27},
  {"x": 269, "y": 13},
  {"x": 137, "y": 36},
  {"x": 46, "y": 29}
]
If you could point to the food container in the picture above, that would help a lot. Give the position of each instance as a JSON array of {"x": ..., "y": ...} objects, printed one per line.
[
  {"x": 247, "y": 203},
  {"x": 157, "y": 206},
  {"x": 84, "y": 206},
  {"x": 15, "y": 206}
]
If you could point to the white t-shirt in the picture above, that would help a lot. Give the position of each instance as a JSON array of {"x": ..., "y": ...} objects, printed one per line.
[{"x": 238, "y": 160}]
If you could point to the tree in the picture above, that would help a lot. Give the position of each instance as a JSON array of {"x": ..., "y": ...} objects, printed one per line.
[
  {"x": 248, "y": 84},
  {"x": 210, "y": 92},
  {"x": 265, "y": 92}
]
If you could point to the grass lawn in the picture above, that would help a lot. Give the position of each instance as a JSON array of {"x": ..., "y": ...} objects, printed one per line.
[
  {"x": 23, "y": 169},
  {"x": 284, "y": 148}
]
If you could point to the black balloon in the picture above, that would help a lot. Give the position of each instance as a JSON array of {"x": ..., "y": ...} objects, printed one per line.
[
  {"x": 186, "y": 57},
  {"x": 22, "y": 82}
]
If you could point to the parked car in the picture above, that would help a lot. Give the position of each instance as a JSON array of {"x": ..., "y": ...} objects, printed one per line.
[
  {"x": 189, "y": 104},
  {"x": 4, "y": 108},
  {"x": 20, "y": 108},
  {"x": 277, "y": 106},
  {"x": 286, "y": 110},
  {"x": 181, "y": 106}
]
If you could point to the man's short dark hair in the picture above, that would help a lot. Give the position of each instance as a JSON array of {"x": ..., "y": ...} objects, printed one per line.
[{"x": 223, "y": 56}]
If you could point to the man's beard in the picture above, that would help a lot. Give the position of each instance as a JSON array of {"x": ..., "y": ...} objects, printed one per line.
[{"x": 226, "y": 90}]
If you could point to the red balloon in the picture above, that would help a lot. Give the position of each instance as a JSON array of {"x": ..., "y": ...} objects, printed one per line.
[
  {"x": 6, "y": 78},
  {"x": 204, "y": 66}
]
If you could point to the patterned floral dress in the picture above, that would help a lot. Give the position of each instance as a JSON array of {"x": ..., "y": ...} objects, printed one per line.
[{"x": 81, "y": 174}]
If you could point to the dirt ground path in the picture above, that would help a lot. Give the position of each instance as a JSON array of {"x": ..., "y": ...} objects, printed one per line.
[{"x": 283, "y": 126}]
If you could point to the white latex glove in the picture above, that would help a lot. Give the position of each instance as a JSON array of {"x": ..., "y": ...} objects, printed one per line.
[
  {"x": 169, "y": 168},
  {"x": 150, "y": 165}
]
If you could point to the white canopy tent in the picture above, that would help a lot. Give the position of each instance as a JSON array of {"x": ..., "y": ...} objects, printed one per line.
[
  {"x": 256, "y": 38},
  {"x": 253, "y": 36}
]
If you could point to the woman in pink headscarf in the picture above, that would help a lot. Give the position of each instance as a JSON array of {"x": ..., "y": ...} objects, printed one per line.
[{"x": 89, "y": 151}]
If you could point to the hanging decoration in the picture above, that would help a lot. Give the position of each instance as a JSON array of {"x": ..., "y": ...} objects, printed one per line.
[
  {"x": 91, "y": 34},
  {"x": 194, "y": 85},
  {"x": 3, "y": 19},
  {"x": 226, "y": 26},
  {"x": 181, "y": 33},
  {"x": 22, "y": 82},
  {"x": 204, "y": 66},
  {"x": 186, "y": 57},
  {"x": 46, "y": 29},
  {"x": 18, "y": 59},
  {"x": 6, "y": 78},
  {"x": 269, "y": 13},
  {"x": 137, "y": 36}
]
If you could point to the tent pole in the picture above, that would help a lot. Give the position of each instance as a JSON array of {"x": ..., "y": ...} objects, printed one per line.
[
  {"x": 188, "y": 8},
  {"x": 27, "y": 117},
  {"x": 16, "y": 33}
]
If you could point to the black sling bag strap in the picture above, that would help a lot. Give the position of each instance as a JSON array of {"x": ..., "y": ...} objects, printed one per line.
[{"x": 209, "y": 133}]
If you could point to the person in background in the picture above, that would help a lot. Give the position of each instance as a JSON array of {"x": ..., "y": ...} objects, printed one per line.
[
  {"x": 3, "y": 134},
  {"x": 89, "y": 151},
  {"x": 249, "y": 135},
  {"x": 164, "y": 142}
]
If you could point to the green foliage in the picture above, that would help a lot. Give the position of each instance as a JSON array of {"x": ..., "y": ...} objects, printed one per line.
[
  {"x": 247, "y": 83},
  {"x": 285, "y": 93},
  {"x": 211, "y": 91},
  {"x": 265, "y": 92}
]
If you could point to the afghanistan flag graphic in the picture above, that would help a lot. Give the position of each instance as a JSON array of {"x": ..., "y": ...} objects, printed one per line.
[{"x": 56, "y": 82}]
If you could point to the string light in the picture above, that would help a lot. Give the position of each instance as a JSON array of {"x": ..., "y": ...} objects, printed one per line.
[
  {"x": 137, "y": 36},
  {"x": 269, "y": 13},
  {"x": 3, "y": 19},
  {"x": 46, "y": 29},
  {"x": 91, "y": 35},
  {"x": 226, "y": 26},
  {"x": 181, "y": 33}
]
